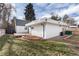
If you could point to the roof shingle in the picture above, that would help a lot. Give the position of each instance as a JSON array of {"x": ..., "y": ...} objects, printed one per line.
[{"x": 20, "y": 22}]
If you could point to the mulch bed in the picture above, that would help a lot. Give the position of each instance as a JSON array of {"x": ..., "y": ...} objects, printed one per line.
[{"x": 29, "y": 37}]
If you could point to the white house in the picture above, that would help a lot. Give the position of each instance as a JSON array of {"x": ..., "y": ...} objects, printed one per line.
[
  {"x": 20, "y": 26},
  {"x": 73, "y": 28},
  {"x": 46, "y": 28},
  {"x": 2, "y": 30}
]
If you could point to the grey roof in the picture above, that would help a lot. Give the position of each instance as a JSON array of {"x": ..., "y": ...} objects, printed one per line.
[{"x": 20, "y": 22}]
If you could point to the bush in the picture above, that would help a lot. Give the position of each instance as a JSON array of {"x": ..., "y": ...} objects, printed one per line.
[{"x": 68, "y": 32}]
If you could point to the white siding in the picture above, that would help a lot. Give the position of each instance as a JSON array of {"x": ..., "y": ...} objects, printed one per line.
[
  {"x": 52, "y": 30},
  {"x": 20, "y": 29},
  {"x": 37, "y": 30},
  {"x": 2, "y": 32}
]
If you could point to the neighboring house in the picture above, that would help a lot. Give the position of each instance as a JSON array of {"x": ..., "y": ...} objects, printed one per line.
[
  {"x": 73, "y": 28},
  {"x": 2, "y": 31},
  {"x": 46, "y": 28},
  {"x": 20, "y": 26}
]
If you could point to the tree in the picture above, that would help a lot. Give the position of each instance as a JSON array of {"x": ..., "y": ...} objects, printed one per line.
[
  {"x": 1, "y": 14},
  {"x": 71, "y": 21},
  {"x": 68, "y": 20},
  {"x": 13, "y": 23},
  {"x": 11, "y": 27},
  {"x": 55, "y": 17},
  {"x": 4, "y": 17},
  {"x": 29, "y": 13},
  {"x": 5, "y": 12},
  {"x": 1, "y": 7},
  {"x": 65, "y": 18}
]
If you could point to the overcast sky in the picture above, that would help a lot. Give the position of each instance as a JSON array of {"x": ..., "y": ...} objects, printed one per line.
[{"x": 45, "y": 9}]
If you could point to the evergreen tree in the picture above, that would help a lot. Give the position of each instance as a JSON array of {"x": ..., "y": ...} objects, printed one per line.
[{"x": 29, "y": 13}]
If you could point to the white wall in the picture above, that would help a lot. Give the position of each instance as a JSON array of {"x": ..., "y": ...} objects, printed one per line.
[
  {"x": 2, "y": 32},
  {"x": 20, "y": 29},
  {"x": 37, "y": 30},
  {"x": 52, "y": 30}
]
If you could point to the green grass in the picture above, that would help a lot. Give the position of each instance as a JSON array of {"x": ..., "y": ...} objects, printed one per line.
[{"x": 13, "y": 47}]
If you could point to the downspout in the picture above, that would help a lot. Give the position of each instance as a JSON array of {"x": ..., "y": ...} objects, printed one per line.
[
  {"x": 28, "y": 29},
  {"x": 43, "y": 30},
  {"x": 44, "y": 24}
]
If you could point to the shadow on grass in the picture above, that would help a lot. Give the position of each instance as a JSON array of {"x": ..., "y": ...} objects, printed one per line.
[
  {"x": 7, "y": 39},
  {"x": 3, "y": 40}
]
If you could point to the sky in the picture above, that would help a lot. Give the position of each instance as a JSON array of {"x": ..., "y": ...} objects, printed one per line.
[{"x": 46, "y": 9}]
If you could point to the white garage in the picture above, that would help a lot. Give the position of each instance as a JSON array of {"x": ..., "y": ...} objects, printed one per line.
[
  {"x": 46, "y": 28},
  {"x": 20, "y": 26}
]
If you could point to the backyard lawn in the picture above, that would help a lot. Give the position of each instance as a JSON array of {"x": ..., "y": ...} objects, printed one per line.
[{"x": 10, "y": 46}]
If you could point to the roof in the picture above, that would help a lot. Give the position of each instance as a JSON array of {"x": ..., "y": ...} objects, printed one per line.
[
  {"x": 20, "y": 22},
  {"x": 46, "y": 21}
]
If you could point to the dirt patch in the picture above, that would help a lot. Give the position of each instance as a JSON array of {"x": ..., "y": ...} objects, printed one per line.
[{"x": 29, "y": 37}]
